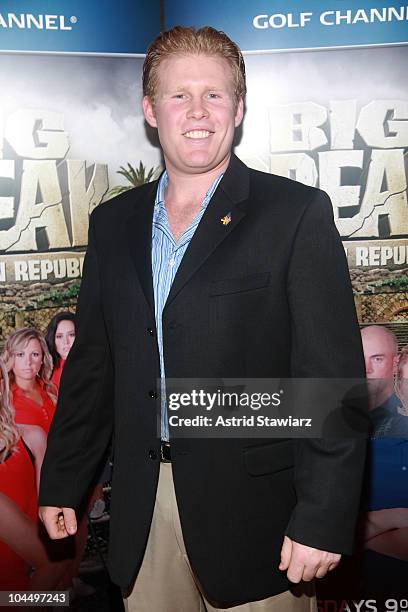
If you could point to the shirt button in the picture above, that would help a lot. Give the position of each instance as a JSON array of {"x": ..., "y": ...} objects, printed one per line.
[
  {"x": 152, "y": 394},
  {"x": 150, "y": 331},
  {"x": 152, "y": 454}
]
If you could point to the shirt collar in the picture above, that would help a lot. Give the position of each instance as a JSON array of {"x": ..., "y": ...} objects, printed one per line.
[
  {"x": 163, "y": 181},
  {"x": 159, "y": 206}
]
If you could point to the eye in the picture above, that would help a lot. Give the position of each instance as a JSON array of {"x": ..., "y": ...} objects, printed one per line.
[
  {"x": 72, "y": 334},
  {"x": 20, "y": 354},
  {"x": 214, "y": 96},
  {"x": 179, "y": 96},
  {"x": 35, "y": 354},
  {"x": 58, "y": 336}
]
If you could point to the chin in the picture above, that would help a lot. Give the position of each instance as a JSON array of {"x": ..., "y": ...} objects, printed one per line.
[
  {"x": 197, "y": 158},
  {"x": 204, "y": 163}
]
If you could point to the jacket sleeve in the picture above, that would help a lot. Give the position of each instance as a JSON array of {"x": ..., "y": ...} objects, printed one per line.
[
  {"x": 326, "y": 343},
  {"x": 82, "y": 425}
]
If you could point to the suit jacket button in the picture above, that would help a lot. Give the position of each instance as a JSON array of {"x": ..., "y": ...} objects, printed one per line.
[
  {"x": 152, "y": 454},
  {"x": 150, "y": 331},
  {"x": 152, "y": 394}
]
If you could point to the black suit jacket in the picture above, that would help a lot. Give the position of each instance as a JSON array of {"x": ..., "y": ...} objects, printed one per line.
[{"x": 267, "y": 295}]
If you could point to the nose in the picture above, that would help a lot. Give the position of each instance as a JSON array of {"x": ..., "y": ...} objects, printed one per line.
[{"x": 197, "y": 108}]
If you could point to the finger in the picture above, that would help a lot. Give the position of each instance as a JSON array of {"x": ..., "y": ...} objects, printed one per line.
[
  {"x": 295, "y": 571},
  {"x": 322, "y": 571},
  {"x": 70, "y": 521},
  {"x": 310, "y": 571},
  {"x": 333, "y": 566},
  {"x": 49, "y": 517},
  {"x": 54, "y": 521},
  {"x": 326, "y": 567},
  {"x": 286, "y": 553},
  {"x": 58, "y": 527}
]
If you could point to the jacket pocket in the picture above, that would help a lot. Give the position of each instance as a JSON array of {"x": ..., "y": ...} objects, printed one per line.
[
  {"x": 269, "y": 458},
  {"x": 240, "y": 284}
]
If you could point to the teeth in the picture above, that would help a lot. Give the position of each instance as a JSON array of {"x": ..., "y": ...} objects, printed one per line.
[{"x": 197, "y": 134}]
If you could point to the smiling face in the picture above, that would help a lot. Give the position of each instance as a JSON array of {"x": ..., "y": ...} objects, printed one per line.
[
  {"x": 64, "y": 337},
  {"x": 195, "y": 112},
  {"x": 27, "y": 361}
]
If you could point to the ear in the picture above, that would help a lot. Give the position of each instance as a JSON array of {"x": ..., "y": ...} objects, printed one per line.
[
  {"x": 395, "y": 363},
  {"x": 148, "y": 110},
  {"x": 239, "y": 113}
]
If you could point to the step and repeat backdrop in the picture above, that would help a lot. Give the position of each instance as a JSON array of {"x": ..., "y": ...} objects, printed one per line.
[
  {"x": 327, "y": 105},
  {"x": 70, "y": 119}
]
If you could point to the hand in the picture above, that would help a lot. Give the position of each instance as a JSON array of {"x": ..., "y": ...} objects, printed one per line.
[
  {"x": 59, "y": 522},
  {"x": 304, "y": 562}
]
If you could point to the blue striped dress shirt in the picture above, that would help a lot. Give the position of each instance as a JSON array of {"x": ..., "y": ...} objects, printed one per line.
[{"x": 166, "y": 258}]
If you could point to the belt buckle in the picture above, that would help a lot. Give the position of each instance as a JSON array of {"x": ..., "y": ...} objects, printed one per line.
[{"x": 165, "y": 456}]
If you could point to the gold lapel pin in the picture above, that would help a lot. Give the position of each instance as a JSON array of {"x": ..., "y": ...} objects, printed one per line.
[{"x": 227, "y": 219}]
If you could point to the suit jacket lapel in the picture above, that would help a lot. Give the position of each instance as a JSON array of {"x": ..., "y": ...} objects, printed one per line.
[
  {"x": 228, "y": 201},
  {"x": 139, "y": 236}
]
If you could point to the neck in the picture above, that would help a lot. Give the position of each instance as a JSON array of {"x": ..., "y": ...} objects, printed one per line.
[
  {"x": 183, "y": 189},
  {"x": 26, "y": 385}
]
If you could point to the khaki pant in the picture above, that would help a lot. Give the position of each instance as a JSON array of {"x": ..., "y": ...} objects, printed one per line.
[{"x": 166, "y": 582}]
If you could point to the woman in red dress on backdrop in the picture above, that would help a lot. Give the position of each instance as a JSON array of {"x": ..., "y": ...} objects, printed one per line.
[
  {"x": 24, "y": 564},
  {"x": 60, "y": 337},
  {"x": 30, "y": 366}
]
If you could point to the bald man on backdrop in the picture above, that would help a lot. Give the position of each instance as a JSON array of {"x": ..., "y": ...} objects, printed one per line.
[
  {"x": 213, "y": 271},
  {"x": 381, "y": 358},
  {"x": 386, "y": 480}
]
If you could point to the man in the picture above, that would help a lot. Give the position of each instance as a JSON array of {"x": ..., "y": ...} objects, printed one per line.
[
  {"x": 215, "y": 271},
  {"x": 386, "y": 522},
  {"x": 381, "y": 358}
]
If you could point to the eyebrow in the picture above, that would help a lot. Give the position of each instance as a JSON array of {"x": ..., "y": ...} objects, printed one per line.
[{"x": 186, "y": 86}]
